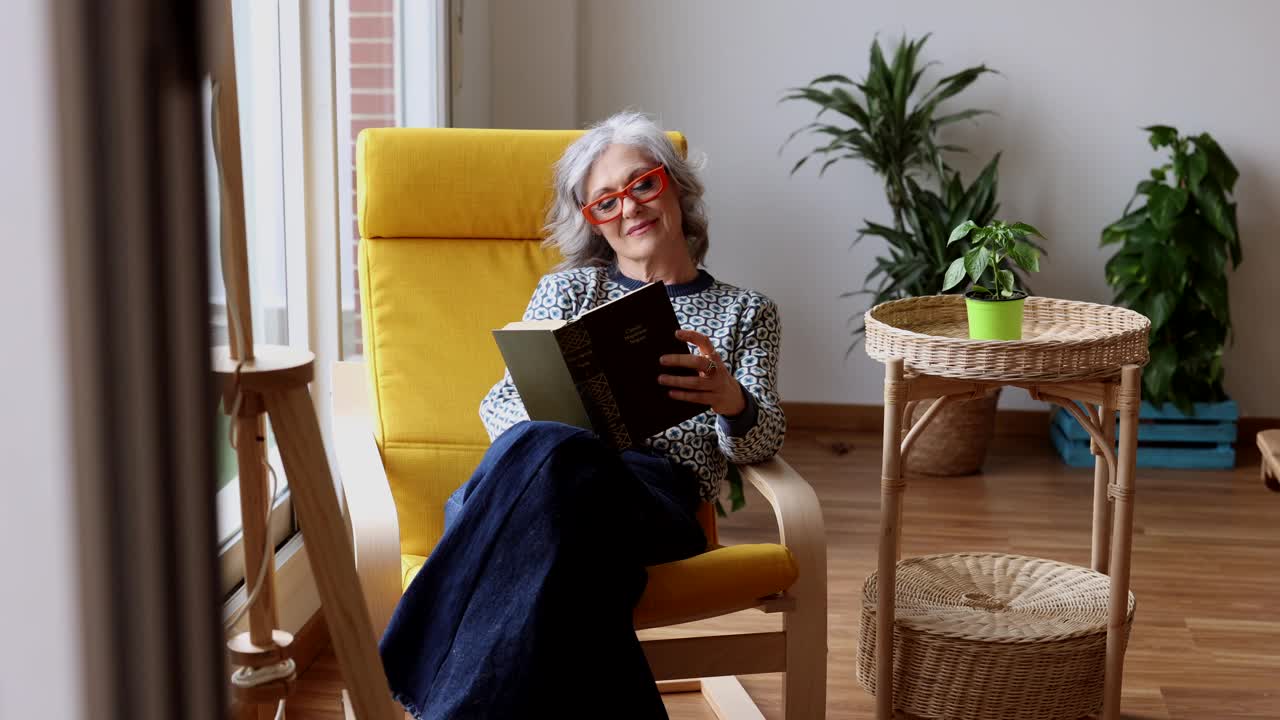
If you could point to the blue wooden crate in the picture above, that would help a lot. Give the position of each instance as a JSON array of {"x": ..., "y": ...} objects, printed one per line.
[{"x": 1166, "y": 437}]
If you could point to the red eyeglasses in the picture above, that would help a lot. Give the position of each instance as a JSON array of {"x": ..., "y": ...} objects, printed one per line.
[{"x": 644, "y": 189}]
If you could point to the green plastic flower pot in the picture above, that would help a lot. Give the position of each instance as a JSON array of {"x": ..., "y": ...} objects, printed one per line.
[{"x": 995, "y": 319}]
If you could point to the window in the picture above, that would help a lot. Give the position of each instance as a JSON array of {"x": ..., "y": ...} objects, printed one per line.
[{"x": 390, "y": 56}]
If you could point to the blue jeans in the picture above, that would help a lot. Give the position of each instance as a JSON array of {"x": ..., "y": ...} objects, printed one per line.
[{"x": 524, "y": 608}]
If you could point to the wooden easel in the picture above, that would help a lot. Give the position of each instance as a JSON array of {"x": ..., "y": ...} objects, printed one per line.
[{"x": 272, "y": 380}]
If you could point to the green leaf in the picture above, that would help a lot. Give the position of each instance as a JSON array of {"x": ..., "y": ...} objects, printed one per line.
[
  {"x": 952, "y": 85},
  {"x": 1161, "y": 135},
  {"x": 1026, "y": 229},
  {"x": 1145, "y": 187},
  {"x": 1122, "y": 268},
  {"x": 1026, "y": 257},
  {"x": 831, "y": 78},
  {"x": 1179, "y": 166},
  {"x": 1118, "y": 229},
  {"x": 1004, "y": 281},
  {"x": 907, "y": 275},
  {"x": 813, "y": 95},
  {"x": 1128, "y": 296},
  {"x": 1159, "y": 308},
  {"x": 981, "y": 289},
  {"x": 846, "y": 105},
  {"x": 1220, "y": 166},
  {"x": 896, "y": 237},
  {"x": 1165, "y": 205},
  {"x": 737, "y": 499},
  {"x": 955, "y": 274},
  {"x": 961, "y": 230},
  {"x": 975, "y": 261},
  {"x": 1214, "y": 297},
  {"x": 962, "y": 115},
  {"x": 878, "y": 77},
  {"x": 1197, "y": 167},
  {"x": 1159, "y": 372},
  {"x": 1220, "y": 214},
  {"x": 978, "y": 201}
]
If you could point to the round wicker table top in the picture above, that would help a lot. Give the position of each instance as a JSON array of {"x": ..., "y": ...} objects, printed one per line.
[{"x": 1062, "y": 340}]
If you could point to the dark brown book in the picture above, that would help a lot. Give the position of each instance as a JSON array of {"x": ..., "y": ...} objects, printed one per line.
[{"x": 600, "y": 370}]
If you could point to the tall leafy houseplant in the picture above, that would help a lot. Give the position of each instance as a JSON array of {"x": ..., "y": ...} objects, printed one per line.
[
  {"x": 896, "y": 136},
  {"x": 1172, "y": 266},
  {"x": 891, "y": 122},
  {"x": 892, "y": 134}
]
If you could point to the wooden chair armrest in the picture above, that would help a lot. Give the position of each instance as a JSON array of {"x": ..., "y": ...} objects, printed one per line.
[
  {"x": 800, "y": 525},
  {"x": 370, "y": 507},
  {"x": 1269, "y": 447}
]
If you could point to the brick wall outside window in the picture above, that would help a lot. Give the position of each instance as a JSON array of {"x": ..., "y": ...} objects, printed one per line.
[{"x": 372, "y": 102}]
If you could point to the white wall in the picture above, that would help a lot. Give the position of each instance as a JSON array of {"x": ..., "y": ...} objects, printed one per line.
[
  {"x": 472, "y": 93},
  {"x": 40, "y": 672},
  {"x": 1077, "y": 82},
  {"x": 535, "y": 79}
]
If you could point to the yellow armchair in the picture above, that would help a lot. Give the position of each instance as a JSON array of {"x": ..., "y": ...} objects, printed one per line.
[{"x": 449, "y": 223}]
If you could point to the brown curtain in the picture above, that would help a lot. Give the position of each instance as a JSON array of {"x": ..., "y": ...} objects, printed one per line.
[{"x": 129, "y": 75}]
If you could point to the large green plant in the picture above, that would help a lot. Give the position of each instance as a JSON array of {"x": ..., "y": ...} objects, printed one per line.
[
  {"x": 897, "y": 138},
  {"x": 887, "y": 130},
  {"x": 1172, "y": 266}
]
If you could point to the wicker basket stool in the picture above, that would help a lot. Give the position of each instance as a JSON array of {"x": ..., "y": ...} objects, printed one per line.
[{"x": 986, "y": 636}]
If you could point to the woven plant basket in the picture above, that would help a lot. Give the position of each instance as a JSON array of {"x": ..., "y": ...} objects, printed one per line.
[
  {"x": 983, "y": 636},
  {"x": 956, "y": 441}
]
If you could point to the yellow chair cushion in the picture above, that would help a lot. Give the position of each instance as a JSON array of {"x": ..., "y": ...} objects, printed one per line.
[
  {"x": 726, "y": 577},
  {"x": 427, "y": 308}
]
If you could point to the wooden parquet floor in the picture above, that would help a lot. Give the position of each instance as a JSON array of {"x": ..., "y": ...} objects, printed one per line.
[{"x": 1206, "y": 573}]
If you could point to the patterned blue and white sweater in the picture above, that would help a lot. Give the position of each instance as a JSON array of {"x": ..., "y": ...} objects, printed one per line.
[{"x": 744, "y": 328}]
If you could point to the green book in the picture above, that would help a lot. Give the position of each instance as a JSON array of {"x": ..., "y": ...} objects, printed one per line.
[{"x": 600, "y": 370}]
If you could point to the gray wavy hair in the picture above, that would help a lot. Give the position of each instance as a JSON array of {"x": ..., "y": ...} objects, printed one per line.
[{"x": 566, "y": 228}]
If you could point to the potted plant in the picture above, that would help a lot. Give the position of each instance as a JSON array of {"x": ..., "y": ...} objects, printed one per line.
[
  {"x": 1173, "y": 256},
  {"x": 993, "y": 302},
  {"x": 885, "y": 123},
  {"x": 1172, "y": 265},
  {"x": 896, "y": 137}
]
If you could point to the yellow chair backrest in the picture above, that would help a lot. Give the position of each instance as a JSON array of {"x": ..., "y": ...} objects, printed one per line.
[{"x": 450, "y": 248}]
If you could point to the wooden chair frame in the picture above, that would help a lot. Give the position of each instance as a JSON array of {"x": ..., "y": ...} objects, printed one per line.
[{"x": 708, "y": 664}]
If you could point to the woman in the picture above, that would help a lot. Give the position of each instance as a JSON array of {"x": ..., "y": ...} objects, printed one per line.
[{"x": 524, "y": 607}]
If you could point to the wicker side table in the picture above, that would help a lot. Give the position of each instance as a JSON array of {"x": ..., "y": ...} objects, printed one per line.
[{"x": 1071, "y": 351}]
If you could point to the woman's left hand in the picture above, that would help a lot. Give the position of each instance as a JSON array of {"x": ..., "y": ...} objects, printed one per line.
[{"x": 714, "y": 385}]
